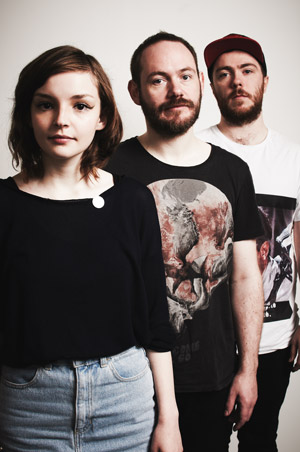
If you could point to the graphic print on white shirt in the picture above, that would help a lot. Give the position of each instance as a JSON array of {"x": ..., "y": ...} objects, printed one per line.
[
  {"x": 275, "y": 257},
  {"x": 275, "y": 168}
]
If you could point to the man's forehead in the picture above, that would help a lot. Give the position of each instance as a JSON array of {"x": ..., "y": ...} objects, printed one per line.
[
  {"x": 164, "y": 55},
  {"x": 235, "y": 57}
]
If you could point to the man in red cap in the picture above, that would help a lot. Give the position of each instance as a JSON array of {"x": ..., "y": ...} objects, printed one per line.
[
  {"x": 238, "y": 74},
  {"x": 209, "y": 221}
]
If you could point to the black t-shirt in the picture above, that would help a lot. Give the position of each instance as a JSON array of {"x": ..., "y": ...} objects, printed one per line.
[
  {"x": 202, "y": 209},
  {"x": 79, "y": 282}
]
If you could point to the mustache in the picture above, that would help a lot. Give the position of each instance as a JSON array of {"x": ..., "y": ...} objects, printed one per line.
[
  {"x": 239, "y": 92},
  {"x": 176, "y": 103}
]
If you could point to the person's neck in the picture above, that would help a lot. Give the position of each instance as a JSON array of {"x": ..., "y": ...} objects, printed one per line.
[
  {"x": 64, "y": 181},
  {"x": 63, "y": 178},
  {"x": 182, "y": 150},
  {"x": 63, "y": 184},
  {"x": 248, "y": 134}
]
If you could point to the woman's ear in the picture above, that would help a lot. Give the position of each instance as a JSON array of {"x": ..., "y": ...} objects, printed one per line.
[{"x": 101, "y": 123}]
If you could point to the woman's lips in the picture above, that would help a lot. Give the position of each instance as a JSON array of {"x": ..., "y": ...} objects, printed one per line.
[{"x": 61, "y": 139}]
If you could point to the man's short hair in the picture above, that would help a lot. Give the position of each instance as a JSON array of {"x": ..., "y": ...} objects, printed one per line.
[{"x": 135, "y": 64}]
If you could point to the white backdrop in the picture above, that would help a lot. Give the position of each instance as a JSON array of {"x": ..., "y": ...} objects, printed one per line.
[{"x": 112, "y": 29}]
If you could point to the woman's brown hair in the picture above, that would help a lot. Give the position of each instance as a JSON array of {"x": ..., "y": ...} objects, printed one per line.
[{"x": 23, "y": 146}]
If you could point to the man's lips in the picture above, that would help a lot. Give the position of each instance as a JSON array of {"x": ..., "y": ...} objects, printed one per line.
[
  {"x": 238, "y": 95},
  {"x": 178, "y": 105},
  {"x": 174, "y": 105}
]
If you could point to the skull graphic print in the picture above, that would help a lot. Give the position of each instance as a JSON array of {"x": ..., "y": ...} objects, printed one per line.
[{"x": 197, "y": 233}]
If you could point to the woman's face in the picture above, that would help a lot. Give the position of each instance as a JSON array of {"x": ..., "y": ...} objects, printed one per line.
[{"x": 65, "y": 115}]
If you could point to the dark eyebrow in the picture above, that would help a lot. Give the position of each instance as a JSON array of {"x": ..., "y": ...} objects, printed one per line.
[
  {"x": 154, "y": 73},
  {"x": 188, "y": 68},
  {"x": 81, "y": 96},
  {"x": 248, "y": 64},
  {"x": 229, "y": 68},
  {"x": 42, "y": 95},
  {"x": 48, "y": 96},
  {"x": 165, "y": 74},
  {"x": 223, "y": 68}
]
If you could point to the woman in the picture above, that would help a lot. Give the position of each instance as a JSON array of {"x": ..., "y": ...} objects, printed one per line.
[{"x": 82, "y": 277}]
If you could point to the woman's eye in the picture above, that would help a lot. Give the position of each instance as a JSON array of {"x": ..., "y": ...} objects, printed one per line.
[
  {"x": 45, "y": 106},
  {"x": 81, "y": 106}
]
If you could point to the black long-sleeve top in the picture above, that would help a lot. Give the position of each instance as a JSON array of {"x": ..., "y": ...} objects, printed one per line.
[{"x": 79, "y": 282}]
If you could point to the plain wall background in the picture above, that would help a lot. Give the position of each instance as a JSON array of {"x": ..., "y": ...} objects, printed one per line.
[{"x": 111, "y": 30}]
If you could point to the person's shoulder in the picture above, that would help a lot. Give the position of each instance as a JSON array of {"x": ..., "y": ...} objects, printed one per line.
[
  {"x": 135, "y": 196},
  {"x": 7, "y": 184},
  {"x": 10, "y": 196},
  {"x": 211, "y": 135},
  {"x": 7, "y": 181},
  {"x": 134, "y": 188},
  {"x": 207, "y": 134},
  {"x": 280, "y": 140},
  {"x": 228, "y": 158},
  {"x": 123, "y": 156},
  {"x": 127, "y": 146},
  {"x": 214, "y": 136}
]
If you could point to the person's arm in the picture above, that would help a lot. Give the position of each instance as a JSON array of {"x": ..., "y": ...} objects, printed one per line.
[
  {"x": 295, "y": 342},
  {"x": 247, "y": 305},
  {"x": 166, "y": 436}
]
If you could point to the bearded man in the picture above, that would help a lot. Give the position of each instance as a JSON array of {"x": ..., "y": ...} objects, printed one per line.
[
  {"x": 238, "y": 74},
  {"x": 209, "y": 220}
]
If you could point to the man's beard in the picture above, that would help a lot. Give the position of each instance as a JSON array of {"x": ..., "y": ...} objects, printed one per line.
[
  {"x": 237, "y": 117},
  {"x": 173, "y": 127}
]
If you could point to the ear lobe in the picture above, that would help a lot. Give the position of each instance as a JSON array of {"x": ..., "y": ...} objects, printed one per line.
[
  {"x": 101, "y": 123},
  {"x": 212, "y": 88},
  {"x": 266, "y": 81},
  {"x": 264, "y": 250},
  {"x": 201, "y": 78},
  {"x": 134, "y": 92}
]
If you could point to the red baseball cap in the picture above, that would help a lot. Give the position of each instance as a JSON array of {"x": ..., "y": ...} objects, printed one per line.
[{"x": 233, "y": 42}]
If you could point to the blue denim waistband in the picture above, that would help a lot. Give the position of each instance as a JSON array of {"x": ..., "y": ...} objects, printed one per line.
[{"x": 83, "y": 363}]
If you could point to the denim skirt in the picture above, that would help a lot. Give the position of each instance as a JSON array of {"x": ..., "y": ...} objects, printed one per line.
[{"x": 99, "y": 405}]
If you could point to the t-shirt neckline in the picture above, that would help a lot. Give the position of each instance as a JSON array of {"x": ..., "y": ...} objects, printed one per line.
[
  {"x": 13, "y": 185},
  {"x": 169, "y": 165}
]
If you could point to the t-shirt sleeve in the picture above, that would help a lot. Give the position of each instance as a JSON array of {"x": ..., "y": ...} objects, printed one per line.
[
  {"x": 297, "y": 209},
  {"x": 247, "y": 224},
  {"x": 161, "y": 335}
]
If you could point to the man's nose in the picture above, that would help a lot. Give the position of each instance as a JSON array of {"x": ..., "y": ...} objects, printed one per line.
[
  {"x": 237, "y": 79},
  {"x": 175, "y": 88}
]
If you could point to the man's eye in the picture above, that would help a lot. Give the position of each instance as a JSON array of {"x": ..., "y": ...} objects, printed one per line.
[
  {"x": 186, "y": 77},
  {"x": 222, "y": 75},
  {"x": 157, "y": 81},
  {"x": 248, "y": 71}
]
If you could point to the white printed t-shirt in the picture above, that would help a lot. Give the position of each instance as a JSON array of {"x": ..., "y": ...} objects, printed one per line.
[{"x": 275, "y": 168}]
